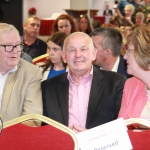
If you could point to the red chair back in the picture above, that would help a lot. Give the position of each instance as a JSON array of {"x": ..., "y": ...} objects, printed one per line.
[
  {"x": 54, "y": 136},
  {"x": 46, "y": 27},
  {"x": 24, "y": 137},
  {"x": 100, "y": 18},
  {"x": 140, "y": 140}
]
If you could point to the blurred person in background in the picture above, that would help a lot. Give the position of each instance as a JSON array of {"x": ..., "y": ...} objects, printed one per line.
[
  {"x": 107, "y": 11},
  {"x": 33, "y": 46},
  {"x": 120, "y": 8},
  {"x": 84, "y": 24},
  {"x": 128, "y": 18},
  {"x": 127, "y": 30},
  {"x": 96, "y": 24},
  {"x": 147, "y": 20},
  {"x": 64, "y": 23},
  {"x": 55, "y": 65},
  {"x": 115, "y": 21},
  {"x": 139, "y": 18}
]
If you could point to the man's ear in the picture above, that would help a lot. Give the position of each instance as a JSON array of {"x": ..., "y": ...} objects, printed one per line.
[
  {"x": 94, "y": 53},
  {"x": 108, "y": 52},
  {"x": 63, "y": 56}
]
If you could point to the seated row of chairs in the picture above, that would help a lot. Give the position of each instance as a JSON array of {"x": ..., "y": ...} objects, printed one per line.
[
  {"x": 54, "y": 136},
  {"x": 16, "y": 135}
]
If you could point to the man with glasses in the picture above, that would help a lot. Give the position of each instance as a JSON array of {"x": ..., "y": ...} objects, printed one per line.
[
  {"x": 33, "y": 46},
  {"x": 20, "y": 91}
]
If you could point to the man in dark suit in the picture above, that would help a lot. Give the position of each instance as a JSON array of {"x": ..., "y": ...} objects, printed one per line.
[
  {"x": 108, "y": 42},
  {"x": 107, "y": 11},
  {"x": 84, "y": 97}
]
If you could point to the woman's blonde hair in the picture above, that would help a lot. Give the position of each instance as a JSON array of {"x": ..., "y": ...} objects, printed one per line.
[{"x": 140, "y": 38}]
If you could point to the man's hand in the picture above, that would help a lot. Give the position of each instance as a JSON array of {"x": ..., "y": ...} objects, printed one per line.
[{"x": 77, "y": 129}]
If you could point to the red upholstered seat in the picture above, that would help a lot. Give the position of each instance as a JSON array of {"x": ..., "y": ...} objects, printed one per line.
[
  {"x": 48, "y": 137},
  {"x": 100, "y": 18},
  {"x": 140, "y": 140}
]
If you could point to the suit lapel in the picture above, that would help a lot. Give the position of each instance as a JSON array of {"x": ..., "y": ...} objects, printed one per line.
[
  {"x": 95, "y": 93},
  {"x": 12, "y": 77},
  {"x": 7, "y": 92},
  {"x": 63, "y": 97}
]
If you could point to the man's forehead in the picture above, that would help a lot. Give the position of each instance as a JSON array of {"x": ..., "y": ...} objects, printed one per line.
[
  {"x": 16, "y": 38},
  {"x": 77, "y": 40},
  {"x": 33, "y": 20}
]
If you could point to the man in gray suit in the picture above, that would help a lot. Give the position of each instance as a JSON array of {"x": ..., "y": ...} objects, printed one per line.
[{"x": 20, "y": 91}]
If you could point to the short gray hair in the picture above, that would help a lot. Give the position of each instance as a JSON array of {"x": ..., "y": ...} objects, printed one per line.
[
  {"x": 140, "y": 14},
  {"x": 111, "y": 38},
  {"x": 6, "y": 28},
  {"x": 33, "y": 16}
]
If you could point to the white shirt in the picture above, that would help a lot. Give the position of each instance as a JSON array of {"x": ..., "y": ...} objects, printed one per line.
[
  {"x": 146, "y": 110},
  {"x": 115, "y": 67},
  {"x": 2, "y": 82}
]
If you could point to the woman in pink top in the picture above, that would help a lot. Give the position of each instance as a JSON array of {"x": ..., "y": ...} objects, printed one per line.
[{"x": 136, "y": 95}]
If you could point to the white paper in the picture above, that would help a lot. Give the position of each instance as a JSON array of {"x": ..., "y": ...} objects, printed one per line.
[{"x": 109, "y": 136}]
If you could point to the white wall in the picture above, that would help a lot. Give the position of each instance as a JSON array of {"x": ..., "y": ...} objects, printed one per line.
[
  {"x": 45, "y": 8},
  {"x": 79, "y": 4},
  {"x": 100, "y": 4}
]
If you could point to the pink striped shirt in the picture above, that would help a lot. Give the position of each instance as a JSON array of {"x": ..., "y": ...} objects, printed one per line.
[{"x": 79, "y": 99}]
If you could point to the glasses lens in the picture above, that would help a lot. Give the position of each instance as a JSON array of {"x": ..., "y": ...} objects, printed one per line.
[{"x": 9, "y": 48}]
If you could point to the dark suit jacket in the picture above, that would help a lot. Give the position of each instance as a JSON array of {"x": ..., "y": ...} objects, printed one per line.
[
  {"x": 109, "y": 11},
  {"x": 122, "y": 68},
  {"x": 104, "y": 101}
]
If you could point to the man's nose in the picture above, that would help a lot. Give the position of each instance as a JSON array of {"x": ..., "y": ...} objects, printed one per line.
[
  {"x": 78, "y": 53},
  {"x": 64, "y": 28}
]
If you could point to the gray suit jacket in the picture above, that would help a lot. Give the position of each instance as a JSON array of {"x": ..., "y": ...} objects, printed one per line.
[{"x": 22, "y": 92}]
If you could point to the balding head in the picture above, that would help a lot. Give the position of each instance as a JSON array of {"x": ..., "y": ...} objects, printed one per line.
[
  {"x": 78, "y": 53},
  {"x": 76, "y": 35},
  {"x": 6, "y": 28}
]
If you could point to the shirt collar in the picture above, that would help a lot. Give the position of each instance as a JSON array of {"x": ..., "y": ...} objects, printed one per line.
[
  {"x": 115, "y": 67},
  {"x": 12, "y": 70},
  {"x": 90, "y": 75}
]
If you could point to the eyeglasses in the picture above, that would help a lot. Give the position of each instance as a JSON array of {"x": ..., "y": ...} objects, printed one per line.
[
  {"x": 128, "y": 51},
  {"x": 10, "y": 48}
]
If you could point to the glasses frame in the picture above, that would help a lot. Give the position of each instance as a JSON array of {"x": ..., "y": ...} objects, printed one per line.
[
  {"x": 128, "y": 51},
  {"x": 13, "y": 46}
]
